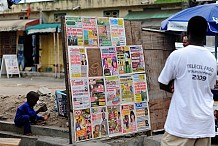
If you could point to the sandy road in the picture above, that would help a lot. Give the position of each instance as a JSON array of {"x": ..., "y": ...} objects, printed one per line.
[{"x": 21, "y": 86}]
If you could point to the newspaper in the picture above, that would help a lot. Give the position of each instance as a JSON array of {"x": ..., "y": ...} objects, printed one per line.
[
  {"x": 97, "y": 92},
  {"x": 90, "y": 34},
  {"x": 124, "y": 60},
  {"x": 104, "y": 35},
  {"x": 140, "y": 87},
  {"x": 83, "y": 124},
  {"x": 74, "y": 31},
  {"x": 114, "y": 120},
  {"x": 78, "y": 64},
  {"x": 137, "y": 58},
  {"x": 118, "y": 36},
  {"x": 109, "y": 61},
  {"x": 142, "y": 116},
  {"x": 99, "y": 122},
  {"x": 112, "y": 90},
  {"x": 127, "y": 89},
  {"x": 128, "y": 118},
  {"x": 80, "y": 94}
]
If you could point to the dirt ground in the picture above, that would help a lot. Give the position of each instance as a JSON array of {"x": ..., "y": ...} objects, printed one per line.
[{"x": 13, "y": 93}]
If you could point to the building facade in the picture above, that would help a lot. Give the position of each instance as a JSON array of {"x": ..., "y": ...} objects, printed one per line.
[{"x": 43, "y": 50}]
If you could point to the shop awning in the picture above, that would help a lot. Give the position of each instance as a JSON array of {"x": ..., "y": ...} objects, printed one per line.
[
  {"x": 43, "y": 28},
  {"x": 14, "y": 25},
  {"x": 149, "y": 14}
]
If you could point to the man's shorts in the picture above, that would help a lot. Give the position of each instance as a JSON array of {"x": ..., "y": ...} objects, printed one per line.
[{"x": 171, "y": 140}]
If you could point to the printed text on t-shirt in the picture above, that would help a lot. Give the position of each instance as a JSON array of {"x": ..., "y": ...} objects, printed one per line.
[{"x": 199, "y": 72}]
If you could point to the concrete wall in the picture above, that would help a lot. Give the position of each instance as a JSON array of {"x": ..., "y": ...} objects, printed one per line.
[
  {"x": 48, "y": 16},
  {"x": 84, "y": 4}
]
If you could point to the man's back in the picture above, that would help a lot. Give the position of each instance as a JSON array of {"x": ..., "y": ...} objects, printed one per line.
[{"x": 193, "y": 69}]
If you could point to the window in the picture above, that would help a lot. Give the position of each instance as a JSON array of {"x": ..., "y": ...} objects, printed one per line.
[
  {"x": 57, "y": 17},
  {"x": 111, "y": 13}
]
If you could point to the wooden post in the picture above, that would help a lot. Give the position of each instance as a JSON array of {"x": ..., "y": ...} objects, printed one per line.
[
  {"x": 58, "y": 43},
  {"x": 67, "y": 82},
  {"x": 55, "y": 68}
]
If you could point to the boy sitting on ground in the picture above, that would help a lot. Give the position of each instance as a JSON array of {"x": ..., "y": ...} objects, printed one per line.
[{"x": 25, "y": 114}]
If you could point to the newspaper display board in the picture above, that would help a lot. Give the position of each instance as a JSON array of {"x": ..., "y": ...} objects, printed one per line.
[
  {"x": 107, "y": 79},
  {"x": 9, "y": 65}
]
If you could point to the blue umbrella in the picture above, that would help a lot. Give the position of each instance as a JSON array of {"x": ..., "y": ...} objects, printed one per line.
[{"x": 179, "y": 21}]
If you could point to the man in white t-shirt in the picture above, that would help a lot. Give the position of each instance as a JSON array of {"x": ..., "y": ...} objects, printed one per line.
[{"x": 190, "y": 74}]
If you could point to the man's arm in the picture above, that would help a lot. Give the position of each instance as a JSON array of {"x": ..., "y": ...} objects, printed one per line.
[{"x": 168, "y": 88}]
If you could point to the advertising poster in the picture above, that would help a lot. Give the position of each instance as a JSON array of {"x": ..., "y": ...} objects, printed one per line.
[
  {"x": 74, "y": 31},
  {"x": 99, "y": 122},
  {"x": 128, "y": 118},
  {"x": 137, "y": 58},
  {"x": 90, "y": 34},
  {"x": 109, "y": 61},
  {"x": 83, "y": 124},
  {"x": 94, "y": 59},
  {"x": 104, "y": 35},
  {"x": 142, "y": 116},
  {"x": 127, "y": 91},
  {"x": 74, "y": 62},
  {"x": 97, "y": 92},
  {"x": 9, "y": 65},
  {"x": 140, "y": 87},
  {"x": 114, "y": 120},
  {"x": 118, "y": 36},
  {"x": 80, "y": 93},
  {"x": 112, "y": 90},
  {"x": 124, "y": 60}
]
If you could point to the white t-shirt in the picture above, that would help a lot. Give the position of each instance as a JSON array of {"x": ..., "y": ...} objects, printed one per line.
[
  {"x": 190, "y": 114},
  {"x": 3, "y": 5}
]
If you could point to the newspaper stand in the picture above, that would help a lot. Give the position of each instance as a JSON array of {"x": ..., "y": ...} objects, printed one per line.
[{"x": 105, "y": 79}]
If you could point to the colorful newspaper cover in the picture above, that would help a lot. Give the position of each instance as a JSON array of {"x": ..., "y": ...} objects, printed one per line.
[
  {"x": 140, "y": 87},
  {"x": 112, "y": 90},
  {"x": 127, "y": 89},
  {"x": 124, "y": 60},
  {"x": 97, "y": 92},
  {"x": 94, "y": 60},
  {"x": 90, "y": 34},
  {"x": 84, "y": 62},
  {"x": 114, "y": 120},
  {"x": 80, "y": 93},
  {"x": 142, "y": 116},
  {"x": 99, "y": 122},
  {"x": 137, "y": 58},
  {"x": 74, "y": 31},
  {"x": 128, "y": 118},
  {"x": 78, "y": 62},
  {"x": 109, "y": 61},
  {"x": 82, "y": 124},
  {"x": 104, "y": 35},
  {"x": 74, "y": 62},
  {"x": 118, "y": 36}
]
